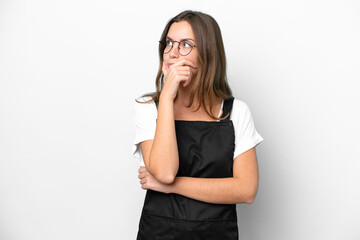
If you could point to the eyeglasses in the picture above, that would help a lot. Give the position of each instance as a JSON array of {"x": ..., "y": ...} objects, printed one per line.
[{"x": 184, "y": 47}]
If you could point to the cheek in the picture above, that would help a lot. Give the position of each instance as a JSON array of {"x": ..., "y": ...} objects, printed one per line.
[{"x": 194, "y": 60}]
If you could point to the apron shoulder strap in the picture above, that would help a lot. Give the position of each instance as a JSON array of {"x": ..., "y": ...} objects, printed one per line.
[{"x": 228, "y": 103}]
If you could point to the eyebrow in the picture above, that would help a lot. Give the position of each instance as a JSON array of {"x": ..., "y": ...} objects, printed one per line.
[{"x": 181, "y": 39}]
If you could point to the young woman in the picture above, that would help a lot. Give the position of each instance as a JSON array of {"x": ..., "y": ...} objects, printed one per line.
[{"x": 196, "y": 141}]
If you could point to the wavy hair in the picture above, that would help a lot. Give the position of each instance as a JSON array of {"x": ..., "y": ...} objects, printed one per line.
[{"x": 211, "y": 79}]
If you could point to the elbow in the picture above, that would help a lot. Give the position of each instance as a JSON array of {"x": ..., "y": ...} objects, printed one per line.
[
  {"x": 163, "y": 175},
  {"x": 165, "y": 178},
  {"x": 250, "y": 198}
]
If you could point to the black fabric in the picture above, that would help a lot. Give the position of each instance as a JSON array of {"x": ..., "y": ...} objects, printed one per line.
[{"x": 206, "y": 150}]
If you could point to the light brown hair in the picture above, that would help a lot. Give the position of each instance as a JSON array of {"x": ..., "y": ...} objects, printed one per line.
[{"x": 211, "y": 77}]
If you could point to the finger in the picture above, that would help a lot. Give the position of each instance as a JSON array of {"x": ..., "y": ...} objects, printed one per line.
[
  {"x": 141, "y": 169},
  {"x": 187, "y": 82},
  {"x": 142, "y": 175},
  {"x": 183, "y": 73},
  {"x": 184, "y": 62},
  {"x": 182, "y": 68},
  {"x": 183, "y": 78}
]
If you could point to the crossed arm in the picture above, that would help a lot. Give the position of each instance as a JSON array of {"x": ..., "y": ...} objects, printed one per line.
[
  {"x": 163, "y": 163},
  {"x": 241, "y": 188}
]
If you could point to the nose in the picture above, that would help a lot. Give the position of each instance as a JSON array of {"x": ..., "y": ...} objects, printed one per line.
[{"x": 174, "y": 52}]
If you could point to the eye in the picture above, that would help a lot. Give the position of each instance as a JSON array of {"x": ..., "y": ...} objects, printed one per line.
[
  {"x": 168, "y": 43},
  {"x": 185, "y": 44}
]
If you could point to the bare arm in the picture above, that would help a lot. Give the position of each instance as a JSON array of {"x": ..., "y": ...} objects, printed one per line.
[
  {"x": 241, "y": 188},
  {"x": 162, "y": 161},
  {"x": 163, "y": 158}
]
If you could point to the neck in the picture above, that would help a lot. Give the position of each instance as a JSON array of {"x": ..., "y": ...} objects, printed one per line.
[{"x": 183, "y": 95}]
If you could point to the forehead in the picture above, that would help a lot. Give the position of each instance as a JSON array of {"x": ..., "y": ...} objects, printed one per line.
[{"x": 180, "y": 30}]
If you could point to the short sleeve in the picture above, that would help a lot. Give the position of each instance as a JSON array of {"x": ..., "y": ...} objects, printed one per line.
[
  {"x": 246, "y": 136},
  {"x": 145, "y": 115}
]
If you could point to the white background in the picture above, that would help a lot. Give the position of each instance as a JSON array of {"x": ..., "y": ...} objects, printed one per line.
[{"x": 70, "y": 71}]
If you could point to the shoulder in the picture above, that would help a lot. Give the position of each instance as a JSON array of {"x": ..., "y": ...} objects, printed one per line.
[
  {"x": 239, "y": 104},
  {"x": 144, "y": 108},
  {"x": 246, "y": 135},
  {"x": 239, "y": 108},
  {"x": 141, "y": 102}
]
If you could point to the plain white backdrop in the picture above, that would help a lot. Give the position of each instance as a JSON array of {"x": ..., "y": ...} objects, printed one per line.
[{"x": 69, "y": 74}]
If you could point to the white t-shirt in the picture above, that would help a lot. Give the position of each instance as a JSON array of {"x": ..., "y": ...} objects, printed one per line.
[{"x": 145, "y": 115}]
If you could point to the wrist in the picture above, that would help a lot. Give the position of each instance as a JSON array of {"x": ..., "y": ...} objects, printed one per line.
[{"x": 165, "y": 98}]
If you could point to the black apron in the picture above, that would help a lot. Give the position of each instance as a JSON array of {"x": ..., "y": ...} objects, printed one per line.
[{"x": 206, "y": 150}]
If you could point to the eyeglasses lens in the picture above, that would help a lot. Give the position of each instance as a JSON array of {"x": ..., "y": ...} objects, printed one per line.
[{"x": 184, "y": 47}]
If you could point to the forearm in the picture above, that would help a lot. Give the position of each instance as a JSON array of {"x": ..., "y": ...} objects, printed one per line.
[
  {"x": 212, "y": 190},
  {"x": 164, "y": 157}
]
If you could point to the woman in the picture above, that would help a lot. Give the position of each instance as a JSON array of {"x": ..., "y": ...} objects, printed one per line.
[{"x": 195, "y": 141}]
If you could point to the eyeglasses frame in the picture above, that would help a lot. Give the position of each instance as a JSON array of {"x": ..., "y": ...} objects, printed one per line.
[{"x": 192, "y": 46}]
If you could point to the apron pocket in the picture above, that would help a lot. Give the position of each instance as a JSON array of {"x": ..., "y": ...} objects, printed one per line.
[
  {"x": 152, "y": 227},
  {"x": 206, "y": 230}
]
